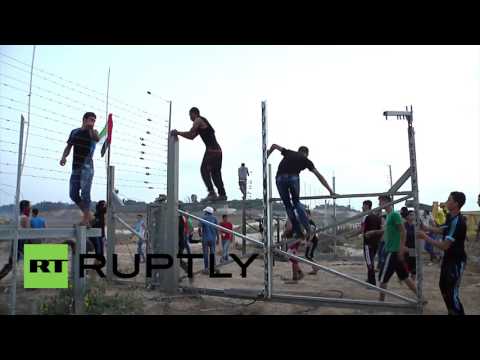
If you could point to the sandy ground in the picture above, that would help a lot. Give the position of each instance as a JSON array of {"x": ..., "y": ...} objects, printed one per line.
[{"x": 322, "y": 284}]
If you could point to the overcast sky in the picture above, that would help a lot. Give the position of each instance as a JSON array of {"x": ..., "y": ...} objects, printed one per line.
[{"x": 329, "y": 98}]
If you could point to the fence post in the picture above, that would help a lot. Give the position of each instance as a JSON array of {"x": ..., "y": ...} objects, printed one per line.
[
  {"x": 110, "y": 221},
  {"x": 79, "y": 283}
]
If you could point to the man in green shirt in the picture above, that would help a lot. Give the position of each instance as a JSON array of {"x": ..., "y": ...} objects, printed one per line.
[{"x": 395, "y": 249}]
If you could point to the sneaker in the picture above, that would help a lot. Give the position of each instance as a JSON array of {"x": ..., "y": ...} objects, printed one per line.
[
  {"x": 300, "y": 275},
  {"x": 313, "y": 272},
  {"x": 210, "y": 197},
  {"x": 222, "y": 198},
  {"x": 205, "y": 271}
]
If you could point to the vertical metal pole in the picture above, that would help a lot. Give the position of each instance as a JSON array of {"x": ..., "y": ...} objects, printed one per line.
[
  {"x": 16, "y": 218},
  {"x": 270, "y": 236},
  {"x": 79, "y": 283},
  {"x": 169, "y": 117},
  {"x": 391, "y": 182},
  {"x": 414, "y": 179},
  {"x": 334, "y": 219},
  {"x": 111, "y": 239},
  {"x": 106, "y": 118},
  {"x": 171, "y": 241},
  {"x": 244, "y": 226},
  {"x": 266, "y": 207}
]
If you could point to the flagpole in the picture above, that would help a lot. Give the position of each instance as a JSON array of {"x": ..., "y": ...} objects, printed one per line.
[{"x": 106, "y": 115}]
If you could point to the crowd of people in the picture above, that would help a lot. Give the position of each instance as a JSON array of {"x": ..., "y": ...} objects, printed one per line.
[{"x": 389, "y": 237}]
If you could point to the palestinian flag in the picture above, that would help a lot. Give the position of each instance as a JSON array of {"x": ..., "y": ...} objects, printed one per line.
[{"x": 106, "y": 135}]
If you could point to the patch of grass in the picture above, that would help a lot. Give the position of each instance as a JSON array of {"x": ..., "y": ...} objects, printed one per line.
[{"x": 96, "y": 302}]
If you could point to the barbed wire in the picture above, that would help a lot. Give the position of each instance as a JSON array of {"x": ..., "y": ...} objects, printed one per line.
[
  {"x": 67, "y": 172},
  {"x": 119, "y": 116},
  {"x": 140, "y": 157},
  {"x": 113, "y": 99},
  {"x": 68, "y": 180},
  {"x": 140, "y": 134},
  {"x": 117, "y": 136},
  {"x": 143, "y": 134}
]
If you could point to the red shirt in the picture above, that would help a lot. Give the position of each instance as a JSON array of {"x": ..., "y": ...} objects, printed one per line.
[{"x": 225, "y": 235}]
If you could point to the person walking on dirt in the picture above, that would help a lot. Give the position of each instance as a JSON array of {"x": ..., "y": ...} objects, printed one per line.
[
  {"x": 371, "y": 245},
  {"x": 410, "y": 256},
  {"x": 454, "y": 233},
  {"x": 211, "y": 168},
  {"x": 394, "y": 248},
  {"x": 210, "y": 237},
  {"x": 140, "y": 227},
  {"x": 227, "y": 238},
  {"x": 310, "y": 248},
  {"x": 478, "y": 227},
  {"x": 288, "y": 185},
  {"x": 83, "y": 140}
]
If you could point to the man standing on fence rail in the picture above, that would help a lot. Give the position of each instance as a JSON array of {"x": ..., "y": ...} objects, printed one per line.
[
  {"x": 288, "y": 184},
  {"x": 83, "y": 141},
  {"x": 211, "y": 168},
  {"x": 242, "y": 179}
]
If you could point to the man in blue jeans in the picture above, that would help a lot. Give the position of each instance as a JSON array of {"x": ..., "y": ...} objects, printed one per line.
[
  {"x": 210, "y": 236},
  {"x": 83, "y": 140},
  {"x": 288, "y": 185}
]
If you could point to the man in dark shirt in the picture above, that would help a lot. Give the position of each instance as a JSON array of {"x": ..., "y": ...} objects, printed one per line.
[
  {"x": 370, "y": 245},
  {"x": 410, "y": 258},
  {"x": 478, "y": 228},
  {"x": 83, "y": 141},
  {"x": 211, "y": 168},
  {"x": 99, "y": 223},
  {"x": 288, "y": 184},
  {"x": 454, "y": 232}
]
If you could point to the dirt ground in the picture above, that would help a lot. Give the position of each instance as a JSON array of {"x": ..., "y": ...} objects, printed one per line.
[{"x": 321, "y": 284}]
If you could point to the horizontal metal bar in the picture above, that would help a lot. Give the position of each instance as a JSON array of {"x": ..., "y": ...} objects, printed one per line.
[
  {"x": 49, "y": 233},
  {"x": 132, "y": 230},
  {"x": 358, "y": 216},
  {"x": 345, "y": 276},
  {"x": 230, "y": 293},
  {"x": 349, "y": 196},
  {"x": 347, "y": 302},
  {"x": 221, "y": 227},
  {"x": 321, "y": 301}
]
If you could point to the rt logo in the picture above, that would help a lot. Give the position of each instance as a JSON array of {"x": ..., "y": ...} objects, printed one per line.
[{"x": 45, "y": 266}]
